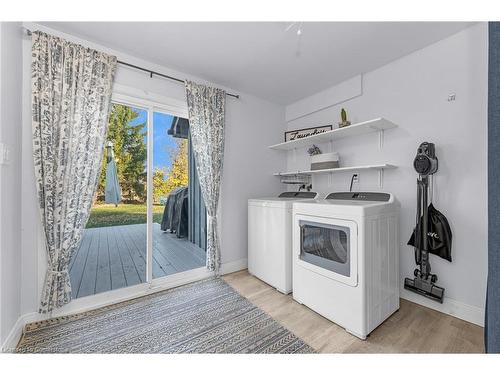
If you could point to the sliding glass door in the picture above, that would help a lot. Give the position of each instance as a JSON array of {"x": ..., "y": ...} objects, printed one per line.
[
  {"x": 141, "y": 222},
  {"x": 173, "y": 252}
]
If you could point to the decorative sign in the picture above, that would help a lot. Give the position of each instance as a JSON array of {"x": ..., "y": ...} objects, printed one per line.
[{"x": 293, "y": 135}]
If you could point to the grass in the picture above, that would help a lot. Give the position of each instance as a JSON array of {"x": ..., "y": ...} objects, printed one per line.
[{"x": 107, "y": 215}]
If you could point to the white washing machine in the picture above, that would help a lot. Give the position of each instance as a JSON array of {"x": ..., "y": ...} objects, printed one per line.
[
  {"x": 270, "y": 238},
  {"x": 346, "y": 258}
]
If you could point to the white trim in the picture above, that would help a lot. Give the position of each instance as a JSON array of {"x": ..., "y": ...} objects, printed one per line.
[
  {"x": 149, "y": 198},
  {"x": 181, "y": 278},
  {"x": 15, "y": 333},
  {"x": 450, "y": 306},
  {"x": 140, "y": 98},
  {"x": 230, "y": 267},
  {"x": 115, "y": 296}
]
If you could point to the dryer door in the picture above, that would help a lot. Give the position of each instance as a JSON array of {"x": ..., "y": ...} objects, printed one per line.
[{"x": 328, "y": 246}]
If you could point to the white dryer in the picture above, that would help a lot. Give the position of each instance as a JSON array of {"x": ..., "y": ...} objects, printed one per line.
[
  {"x": 346, "y": 258},
  {"x": 270, "y": 238}
]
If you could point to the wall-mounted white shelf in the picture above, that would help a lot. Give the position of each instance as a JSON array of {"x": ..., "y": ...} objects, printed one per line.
[
  {"x": 365, "y": 127},
  {"x": 337, "y": 170},
  {"x": 377, "y": 167}
]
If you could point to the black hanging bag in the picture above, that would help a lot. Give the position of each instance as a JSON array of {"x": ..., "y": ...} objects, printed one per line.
[{"x": 439, "y": 235}]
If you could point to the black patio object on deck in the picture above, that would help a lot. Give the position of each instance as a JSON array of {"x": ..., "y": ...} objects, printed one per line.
[{"x": 175, "y": 214}]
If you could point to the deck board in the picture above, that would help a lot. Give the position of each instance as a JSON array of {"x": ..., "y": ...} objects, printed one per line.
[
  {"x": 103, "y": 276},
  {"x": 134, "y": 249},
  {"x": 178, "y": 253},
  {"x": 116, "y": 265},
  {"x": 110, "y": 258},
  {"x": 87, "y": 285},
  {"x": 130, "y": 271},
  {"x": 77, "y": 265}
]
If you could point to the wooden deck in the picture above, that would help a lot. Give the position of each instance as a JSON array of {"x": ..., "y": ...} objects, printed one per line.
[{"x": 115, "y": 257}]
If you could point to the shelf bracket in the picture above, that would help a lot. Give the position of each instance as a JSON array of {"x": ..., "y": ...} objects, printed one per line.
[
  {"x": 380, "y": 139},
  {"x": 380, "y": 178}
]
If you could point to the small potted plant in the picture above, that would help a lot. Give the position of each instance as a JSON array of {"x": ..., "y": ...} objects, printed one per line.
[{"x": 343, "y": 117}]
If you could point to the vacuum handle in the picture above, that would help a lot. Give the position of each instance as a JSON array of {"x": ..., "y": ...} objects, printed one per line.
[{"x": 425, "y": 267}]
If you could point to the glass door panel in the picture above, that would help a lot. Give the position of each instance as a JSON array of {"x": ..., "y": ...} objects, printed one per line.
[
  {"x": 112, "y": 253},
  {"x": 148, "y": 219},
  {"x": 173, "y": 251}
]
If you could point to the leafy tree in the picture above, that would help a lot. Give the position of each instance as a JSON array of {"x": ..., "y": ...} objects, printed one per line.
[
  {"x": 178, "y": 173},
  {"x": 130, "y": 153},
  {"x": 134, "y": 169},
  {"x": 160, "y": 188}
]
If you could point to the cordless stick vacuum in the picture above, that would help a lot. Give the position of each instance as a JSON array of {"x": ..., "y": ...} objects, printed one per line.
[{"x": 426, "y": 164}]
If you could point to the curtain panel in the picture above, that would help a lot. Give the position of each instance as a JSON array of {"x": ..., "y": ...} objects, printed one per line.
[
  {"x": 206, "y": 108},
  {"x": 71, "y": 95}
]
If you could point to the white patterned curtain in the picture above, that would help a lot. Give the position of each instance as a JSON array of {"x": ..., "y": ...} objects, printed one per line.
[
  {"x": 71, "y": 94},
  {"x": 206, "y": 124}
]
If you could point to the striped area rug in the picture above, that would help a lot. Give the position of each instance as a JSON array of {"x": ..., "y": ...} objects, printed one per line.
[{"x": 204, "y": 317}]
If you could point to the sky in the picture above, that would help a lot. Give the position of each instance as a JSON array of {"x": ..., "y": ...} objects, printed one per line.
[{"x": 162, "y": 142}]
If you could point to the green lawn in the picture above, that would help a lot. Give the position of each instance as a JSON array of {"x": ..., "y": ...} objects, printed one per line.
[{"x": 107, "y": 215}]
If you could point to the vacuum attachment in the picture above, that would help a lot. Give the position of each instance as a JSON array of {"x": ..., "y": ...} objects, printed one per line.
[{"x": 425, "y": 287}]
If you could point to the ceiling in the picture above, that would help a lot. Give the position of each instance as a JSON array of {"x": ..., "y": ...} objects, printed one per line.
[{"x": 264, "y": 58}]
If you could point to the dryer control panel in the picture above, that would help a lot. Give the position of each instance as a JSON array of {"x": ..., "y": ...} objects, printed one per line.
[{"x": 360, "y": 196}]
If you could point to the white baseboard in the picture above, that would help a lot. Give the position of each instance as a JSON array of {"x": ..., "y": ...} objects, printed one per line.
[
  {"x": 450, "y": 306},
  {"x": 235, "y": 266},
  {"x": 15, "y": 333}
]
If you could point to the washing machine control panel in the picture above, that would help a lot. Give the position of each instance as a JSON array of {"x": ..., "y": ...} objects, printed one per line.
[{"x": 298, "y": 194}]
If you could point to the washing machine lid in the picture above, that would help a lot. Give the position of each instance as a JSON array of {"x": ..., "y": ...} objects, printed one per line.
[{"x": 284, "y": 200}]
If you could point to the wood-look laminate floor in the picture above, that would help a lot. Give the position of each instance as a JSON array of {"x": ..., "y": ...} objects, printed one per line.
[{"x": 413, "y": 329}]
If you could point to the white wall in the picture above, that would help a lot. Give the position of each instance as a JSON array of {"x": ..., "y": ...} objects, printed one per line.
[
  {"x": 10, "y": 177},
  {"x": 413, "y": 92},
  {"x": 250, "y": 125}
]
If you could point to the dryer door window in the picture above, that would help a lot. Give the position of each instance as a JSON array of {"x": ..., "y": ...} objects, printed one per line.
[{"x": 326, "y": 246}]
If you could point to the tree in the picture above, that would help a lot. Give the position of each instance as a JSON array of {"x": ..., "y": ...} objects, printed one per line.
[
  {"x": 178, "y": 174},
  {"x": 130, "y": 153},
  {"x": 134, "y": 168},
  {"x": 160, "y": 188}
]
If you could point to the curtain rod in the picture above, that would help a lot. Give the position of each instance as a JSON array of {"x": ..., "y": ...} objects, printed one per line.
[{"x": 151, "y": 72}]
